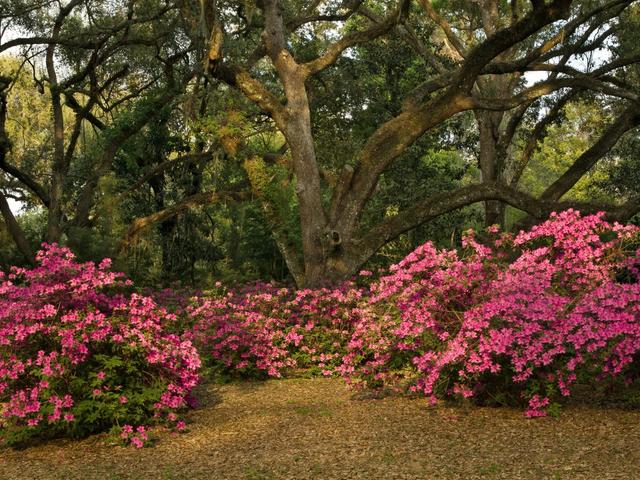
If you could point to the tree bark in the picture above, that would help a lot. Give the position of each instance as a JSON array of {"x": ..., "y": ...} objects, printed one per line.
[
  {"x": 491, "y": 165},
  {"x": 59, "y": 170}
]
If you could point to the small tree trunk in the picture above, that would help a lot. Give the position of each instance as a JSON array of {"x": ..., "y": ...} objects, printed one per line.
[
  {"x": 495, "y": 213},
  {"x": 490, "y": 164},
  {"x": 14, "y": 230},
  {"x": 10, "y": 221},
  {"x": 54, "y": 221}
]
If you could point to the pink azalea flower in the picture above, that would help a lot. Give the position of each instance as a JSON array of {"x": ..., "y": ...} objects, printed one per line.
[{"x": 137, "y": 442}]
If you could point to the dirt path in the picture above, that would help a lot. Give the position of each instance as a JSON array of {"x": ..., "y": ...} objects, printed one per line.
[{"x": 312, "y": 429}]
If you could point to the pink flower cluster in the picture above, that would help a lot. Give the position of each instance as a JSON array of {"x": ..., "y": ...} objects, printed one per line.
[
  {"x": 60, "y": 324},
  {"x": 531, "y": 308},
  {"x": 137, "y": 437},
  {"x": 271, "y": 329}
]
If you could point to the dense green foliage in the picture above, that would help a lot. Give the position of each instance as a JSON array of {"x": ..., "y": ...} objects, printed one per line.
[{"x": 174, "y": 170}]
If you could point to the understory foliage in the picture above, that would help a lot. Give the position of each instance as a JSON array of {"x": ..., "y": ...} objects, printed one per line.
[
  {"x": 79, "y": 354},
  {"x": 511, "y": 319}
]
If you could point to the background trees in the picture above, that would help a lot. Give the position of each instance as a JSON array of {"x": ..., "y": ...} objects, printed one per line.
[
  {"x": 103, "y": 72},
  {"x": 303, "y": 138}
]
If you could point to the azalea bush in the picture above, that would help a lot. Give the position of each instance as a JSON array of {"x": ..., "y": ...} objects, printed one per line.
[
  {"x": 506, "y": 320},
  {"x": 510, "y": 319},
  {"x": 516, "y": 317},
  {"x": 270, "y": 330},
  {"x": 80, "y": 353}
]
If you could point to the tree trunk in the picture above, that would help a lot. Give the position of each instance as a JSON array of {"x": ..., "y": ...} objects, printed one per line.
[
  {"x": 489, "y": 129},
  {"x": 166, "y": 229},
  {"x": 295, "y": 124},
  {"x": 14, "y": 230},
  {"x": 5, "y": 212},
  {"x": 59, "y": 169},
  {"x": 334, "y": 267}
]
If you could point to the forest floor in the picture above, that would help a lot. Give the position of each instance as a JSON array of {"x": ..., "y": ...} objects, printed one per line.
[{"x": 315, "y": 429}]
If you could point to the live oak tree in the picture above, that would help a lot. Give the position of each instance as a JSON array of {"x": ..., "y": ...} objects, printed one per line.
[{"x": 487, "y": 57}]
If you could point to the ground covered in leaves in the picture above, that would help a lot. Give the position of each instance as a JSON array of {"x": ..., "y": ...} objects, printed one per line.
[{"x": 315, "y": 428}]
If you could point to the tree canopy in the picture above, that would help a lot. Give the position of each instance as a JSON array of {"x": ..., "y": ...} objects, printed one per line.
[{"x": 304, "y": 138}]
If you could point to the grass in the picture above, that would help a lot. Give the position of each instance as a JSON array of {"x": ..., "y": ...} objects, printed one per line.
[{"x": 315, "y": 429}]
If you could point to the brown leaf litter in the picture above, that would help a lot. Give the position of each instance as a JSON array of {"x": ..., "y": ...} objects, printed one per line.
[{"x": 315, "y": 429}]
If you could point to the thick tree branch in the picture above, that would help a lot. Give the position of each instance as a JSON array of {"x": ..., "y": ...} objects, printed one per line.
[
  {"x": 340, "y": 189},
  {"x": 94, "y": 42},
  {"x": 442, "y": 203},
  {"x": 253, "y": 89},
  {"x": 546, "y": 50},
  {"x": 25, "y": 179},
  {"x": 196, "y": 200},
  {"x": 334, "y": 51},
  {"x": 82, "y": 112},
  {"x": 444, "y": 25},
  {"x": 627, "y": 120},
  {"x": 310, "y": 17},
  {"x": 15, "y": 230},
  {"x": 504, "y": 39},
  {"x": 9, "y": 219},
  {"x": 420, "y": 94},
  {"x": 393, "y": 137},
  {"x": 187, "y": 159},
  {"x": 386, "y": 144},
  {"x": 550, "y": 86}
]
